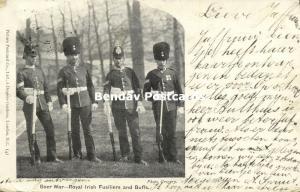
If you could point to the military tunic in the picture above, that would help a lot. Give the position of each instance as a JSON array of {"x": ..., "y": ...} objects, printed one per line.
[
  {"x": 33, "y": 77},
  {"x": 126, "y": 82},
  {"x": 165, "y": 82},
  {"x": 79, "y": 79}
]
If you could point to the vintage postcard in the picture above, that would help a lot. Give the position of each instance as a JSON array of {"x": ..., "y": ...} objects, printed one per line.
[{"x": 140, "y": 95}]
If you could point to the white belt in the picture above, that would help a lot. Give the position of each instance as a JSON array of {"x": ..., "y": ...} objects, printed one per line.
[
  {"x": 29, "y": 91},
  {"x": 128, "y": 92},
  {"x": 118, "y": 91},
  {"x": 162, "y": 92},
  {"x": 76, "y": 89}
]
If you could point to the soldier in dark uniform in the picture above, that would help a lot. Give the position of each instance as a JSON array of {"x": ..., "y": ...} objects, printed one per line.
[
  {"x": 77, "y": 78},
  {"x": 164, "y": 80},
  {"x": 123, "y": 80},
  {"x": 29, "y": 78}
]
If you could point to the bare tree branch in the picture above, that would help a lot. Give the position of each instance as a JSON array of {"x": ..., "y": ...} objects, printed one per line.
[
  {"x": 72, "y": 21},
  {"x": 89, "y": 49},
  {"x": 98, "y": 41},
  {"x": 63, "y": 23},
  {"x": 54, "y": 43},
  {"x": 38, "y": 40},
  {"x": 109, "y": 34}
]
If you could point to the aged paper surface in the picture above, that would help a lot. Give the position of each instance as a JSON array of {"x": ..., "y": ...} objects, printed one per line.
[
  {"x": 2, "y": 3},
  {"x": 243, "y": 135}
]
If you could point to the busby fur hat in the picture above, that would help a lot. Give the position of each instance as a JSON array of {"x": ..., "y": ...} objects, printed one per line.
[
  {"x": 161, "y": 51},
  {"x": 71, "y": 46}
]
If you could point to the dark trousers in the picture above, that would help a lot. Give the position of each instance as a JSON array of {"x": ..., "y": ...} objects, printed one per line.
[
  {"x": 121, "y": 116},
  {"x": 46, "y": 120},
  {"x": 168, "y": 131},
  {"x": 85, "y": 115}
]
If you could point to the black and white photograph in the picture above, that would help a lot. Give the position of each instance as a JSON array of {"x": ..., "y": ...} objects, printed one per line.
[
  {"x": 150, "y": 95},
  {"x": 74, "y": 62}
]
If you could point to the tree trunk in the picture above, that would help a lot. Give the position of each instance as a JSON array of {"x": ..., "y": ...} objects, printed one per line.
[
  {"x": 89, "y": 40},
  {"x": 72, "y": 21},
  {"x": 178, "y": 49},
  {"x": 38, "y": 40},
  {"x": 109, "y": 35},
  {"x": 28, "y": 30},
  {"x": 80, "y": 37},
  {"x": 96, "y": 26},
  {"x": 136, "y": 36},
  {"x": 55, "y": 44},
  {"x": 63, "y": 24}
]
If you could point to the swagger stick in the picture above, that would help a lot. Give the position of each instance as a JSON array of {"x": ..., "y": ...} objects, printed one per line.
[
  {"x": 69, "y": 122},
  {"x": 33, "y": 135}
]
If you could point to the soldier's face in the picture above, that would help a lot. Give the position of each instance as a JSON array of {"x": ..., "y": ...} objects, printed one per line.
[
  {"x": 73, "y": 59},
  {"x": 30, "y": 60},
  {"x": 119, "y": 63},
  {"x": 161, "y": 64}
]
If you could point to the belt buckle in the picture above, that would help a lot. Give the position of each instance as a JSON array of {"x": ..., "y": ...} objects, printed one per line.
[{"x": 78, "y": 89}]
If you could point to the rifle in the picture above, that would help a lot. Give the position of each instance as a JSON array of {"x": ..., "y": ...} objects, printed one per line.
[
  {"x": 69, "y": 123},
  {"x": 161, "y": 156},
  {"x": 33, "y": 135},
  {"x": 111, "y": 134}
]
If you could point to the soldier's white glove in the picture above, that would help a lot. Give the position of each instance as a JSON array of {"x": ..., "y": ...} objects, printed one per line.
[
  {"x": 67, "y": 92},
  {"x": 65, "y": 107},
  {"x": 50, "y": 106},
  {"x": 94, "y": 106},
  {"x": 106, "y": 107},
  {"x": 30, "y": 99},
  {"x": 140, "y": 108},
  {"x": 181, "y": 110}
]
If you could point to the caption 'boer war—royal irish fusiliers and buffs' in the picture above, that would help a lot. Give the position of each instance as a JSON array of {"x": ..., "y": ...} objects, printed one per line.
[
  {"x": 32, "y": 88},
  {"x": 164, "y": 81},
  {"x": 74, "y": 80},
  {"x": 123, "y": 81}
]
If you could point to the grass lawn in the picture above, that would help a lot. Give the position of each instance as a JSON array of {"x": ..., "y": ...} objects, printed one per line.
[{"x": 108, "y": 168}]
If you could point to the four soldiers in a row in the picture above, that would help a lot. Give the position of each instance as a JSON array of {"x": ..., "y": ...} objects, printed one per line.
[{"x": 120, "y": 80}]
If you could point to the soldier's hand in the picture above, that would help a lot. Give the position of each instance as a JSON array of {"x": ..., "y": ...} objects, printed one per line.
[
  {"x": 50, "y": 106},
  {"x": 140, "y": 108},
  {"x": 65, "y": 107},
  {"x": 181, "y": 110},
  {"x": 30, "y": 99},
  {"x": 67, "y": 92},
  {"x": 94, "y": 106}
]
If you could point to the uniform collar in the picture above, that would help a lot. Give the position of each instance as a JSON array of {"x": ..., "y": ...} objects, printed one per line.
[
  {"x": 73, "y": 67},
  {"x": 118, "y": 69},
  {"x": 30, "y": 66},
  {"x": 161, "y": 71}
]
